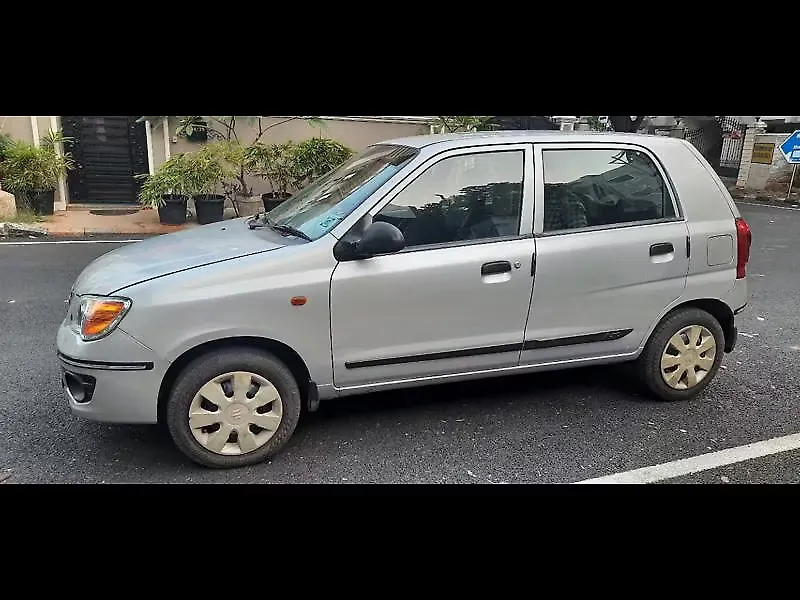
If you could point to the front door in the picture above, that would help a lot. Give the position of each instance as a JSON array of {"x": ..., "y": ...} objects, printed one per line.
[
  {"x": 456, "y": 299},
  {"x": 611, "y": 251},
  {"x": 109, "y": 152}
]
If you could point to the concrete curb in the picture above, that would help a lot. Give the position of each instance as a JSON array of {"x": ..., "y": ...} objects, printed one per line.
[
  {"x": 106, "y": 232},
  {"x": 764, "y": 197}
]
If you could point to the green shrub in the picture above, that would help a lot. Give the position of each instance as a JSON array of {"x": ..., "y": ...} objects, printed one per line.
[{"x": 27, "y": 168}]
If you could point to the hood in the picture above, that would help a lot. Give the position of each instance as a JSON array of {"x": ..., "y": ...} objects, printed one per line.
[{"x": 166, "y": 254}]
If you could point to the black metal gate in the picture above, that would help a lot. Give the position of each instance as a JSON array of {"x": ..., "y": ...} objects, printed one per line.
[
  {"x": 721, "y": 143},
  {"x": 523, "y": 123},
  {"x": 730, "y": 158},
  {"x": 108, "y": 152}
]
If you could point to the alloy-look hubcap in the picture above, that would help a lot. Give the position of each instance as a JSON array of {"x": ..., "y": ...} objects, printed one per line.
[
  {"x": 235, "y": 413},
  {"x": 688, "y": 357}
]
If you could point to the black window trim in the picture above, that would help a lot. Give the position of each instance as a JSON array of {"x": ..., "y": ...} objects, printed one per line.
[
  {"x": 622, "y": 225},
  {"x": 525, "y": 147},
  {"x": 463, "y": 243},
  {"x": 538, "y": 155}
]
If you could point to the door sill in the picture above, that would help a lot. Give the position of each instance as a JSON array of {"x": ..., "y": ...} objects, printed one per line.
[{"x": 519, "y": 369}]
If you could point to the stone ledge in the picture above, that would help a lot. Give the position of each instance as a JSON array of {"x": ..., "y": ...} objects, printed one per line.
[{"x": 18, "y": 230}]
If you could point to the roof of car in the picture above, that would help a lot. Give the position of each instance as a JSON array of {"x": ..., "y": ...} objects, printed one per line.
[{"x": 457, "y": 140}]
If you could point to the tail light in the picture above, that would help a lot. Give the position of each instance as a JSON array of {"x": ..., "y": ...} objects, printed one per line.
[{"x": 744, "y": 238}]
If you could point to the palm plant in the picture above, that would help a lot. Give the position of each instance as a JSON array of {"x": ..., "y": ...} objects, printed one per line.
[
  {"x": 276, "y": 164},
  {"x": 315, "y": 157},
  {"x": 32, "y": 172},
  {"x": 169, "y": 180}
]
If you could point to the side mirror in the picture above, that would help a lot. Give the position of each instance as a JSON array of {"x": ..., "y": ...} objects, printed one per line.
[
  {"x": 381, "y": 238},
  {"x": 378, "y": 238}
]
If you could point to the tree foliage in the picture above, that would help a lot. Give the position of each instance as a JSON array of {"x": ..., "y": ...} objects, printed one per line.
[{"x": 462, "y": 124}]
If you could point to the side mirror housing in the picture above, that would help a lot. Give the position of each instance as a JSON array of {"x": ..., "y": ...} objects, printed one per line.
[
  {"x": 381, "y": 238},
  {"x": 378, "y": 238}
]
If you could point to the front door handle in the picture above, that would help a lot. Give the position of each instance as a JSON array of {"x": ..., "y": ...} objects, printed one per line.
[
  {"x": 494, "y": 268},
  {"x": 661, "y": 249}
]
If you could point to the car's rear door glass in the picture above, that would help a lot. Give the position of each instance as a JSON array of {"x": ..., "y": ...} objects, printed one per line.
[{"x": 597, "y": 187}]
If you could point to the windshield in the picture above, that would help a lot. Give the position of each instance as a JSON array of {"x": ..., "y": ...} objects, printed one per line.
[{"x": 318, "y": 208}]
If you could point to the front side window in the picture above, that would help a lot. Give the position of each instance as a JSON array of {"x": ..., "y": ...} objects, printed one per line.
[
  {"x": 461, "y": 198},
  {"x": 597, "y": 187},
  {"x": 318, "y": 208}
]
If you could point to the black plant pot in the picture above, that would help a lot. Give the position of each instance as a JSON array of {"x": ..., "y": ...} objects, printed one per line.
[
  {"x": 173, "y": 212},
  {"x": 273, "y": 200},
  {"x": 42, "y": 201},
  {"x": 209, "y": 208}
]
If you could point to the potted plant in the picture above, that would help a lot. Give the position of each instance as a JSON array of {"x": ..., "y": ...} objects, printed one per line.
[
  {"x": 237, "y": 153},
  {"x": 315, "y": 157},
  {"x": 238, "y": 167},
  {"x": 31, "y": 173},
  {"x": 167, "y": 190},
  {"x": 275, "y": 164},
  {"x": 204, "y": 173}
]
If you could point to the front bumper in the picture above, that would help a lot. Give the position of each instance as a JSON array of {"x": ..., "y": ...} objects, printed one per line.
[{"x": 114, "y": 380}]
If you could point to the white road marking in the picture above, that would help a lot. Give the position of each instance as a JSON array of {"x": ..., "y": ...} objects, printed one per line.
[
  {"x": 703, "y": 462},
  {"x": 768, "y": 205},
  {"x": 68, "y": 242}
]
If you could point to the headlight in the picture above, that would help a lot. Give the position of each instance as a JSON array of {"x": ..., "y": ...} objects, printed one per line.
[{"x": 97, "y": 316}]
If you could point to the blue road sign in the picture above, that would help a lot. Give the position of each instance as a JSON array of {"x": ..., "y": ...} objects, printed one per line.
[{"x": 791, "y": 148}]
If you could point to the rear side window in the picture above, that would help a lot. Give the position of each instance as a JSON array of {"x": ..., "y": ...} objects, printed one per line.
[{"x": 591, "y": 188}]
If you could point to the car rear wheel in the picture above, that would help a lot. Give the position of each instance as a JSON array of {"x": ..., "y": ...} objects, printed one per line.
[
  {"x": 233, "y": 408},
  {"x": 683, "y": 355}
]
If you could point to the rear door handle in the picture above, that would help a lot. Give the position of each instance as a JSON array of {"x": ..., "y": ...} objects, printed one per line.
[
  {"x": 661, "y": 249},
  {"x": 493, "y": 268}
]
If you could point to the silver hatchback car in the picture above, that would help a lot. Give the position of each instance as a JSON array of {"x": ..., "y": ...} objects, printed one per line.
[{"x": 423, "y": 260}]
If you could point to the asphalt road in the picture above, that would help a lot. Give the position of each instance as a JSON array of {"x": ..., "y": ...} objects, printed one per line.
[{"x": 558, "y": 427}]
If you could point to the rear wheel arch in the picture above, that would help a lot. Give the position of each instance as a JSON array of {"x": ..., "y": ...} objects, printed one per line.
[
  {"x": 281, "y": 351},
  {"x": 716, "y": 308},
  {"x": 683, "y": 354}
]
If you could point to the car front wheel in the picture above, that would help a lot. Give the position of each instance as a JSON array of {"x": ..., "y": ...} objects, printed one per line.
[
  {"x": 683, "y": 355},
  {"x": 233, "y": 408}
]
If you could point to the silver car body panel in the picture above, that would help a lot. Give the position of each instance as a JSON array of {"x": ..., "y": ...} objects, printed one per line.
[
  {"x": 168, "y": 254},
  {"x": 423, "y": 315},
  {"x": 128, "y": 376}
]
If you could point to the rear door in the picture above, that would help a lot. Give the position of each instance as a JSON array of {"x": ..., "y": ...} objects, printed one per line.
[{"x": 611, "y": 250}]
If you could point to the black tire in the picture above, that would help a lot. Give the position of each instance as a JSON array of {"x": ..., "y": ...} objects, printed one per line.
[
  {"x": 649, "y": 363},
  {"x": 207, "y": 367}
]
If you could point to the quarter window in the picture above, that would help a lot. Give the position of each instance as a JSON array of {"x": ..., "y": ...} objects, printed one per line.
[
  {"x": 590, "y": 188},
  {"x": 461, "y": 198}
]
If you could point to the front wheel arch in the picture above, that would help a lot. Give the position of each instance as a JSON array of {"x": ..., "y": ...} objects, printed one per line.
[{"x": 281, "y": 351}]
